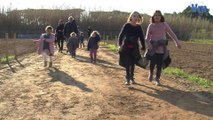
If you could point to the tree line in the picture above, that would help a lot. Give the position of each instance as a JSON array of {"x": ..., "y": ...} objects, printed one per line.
[{"x": 33, "y": 21}]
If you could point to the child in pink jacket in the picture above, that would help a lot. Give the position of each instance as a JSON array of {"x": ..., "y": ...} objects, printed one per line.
[{"x": 45, "y": 45}]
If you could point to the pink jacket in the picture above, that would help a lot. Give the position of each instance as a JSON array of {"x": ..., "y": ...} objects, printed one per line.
[
  {"x": 157, "y": 32},
  {"x": 50, "y": 40}
]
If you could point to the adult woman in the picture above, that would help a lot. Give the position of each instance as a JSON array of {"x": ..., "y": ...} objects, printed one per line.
[
  {"x": 156, "y": 40},
  {"x": 60, "y": 35},
  {"x": 131, "y": 31}
]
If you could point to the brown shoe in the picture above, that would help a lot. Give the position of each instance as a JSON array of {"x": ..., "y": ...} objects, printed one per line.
[{"x": 50, "y": 64}]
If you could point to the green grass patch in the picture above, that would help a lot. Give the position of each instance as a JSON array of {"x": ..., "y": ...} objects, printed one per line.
[
  {"x": 180, "y": 73},
  {"x": 111, "y": 47},
  {"x": 201, "y": 41},
  {"x": 3, "y": 59}
]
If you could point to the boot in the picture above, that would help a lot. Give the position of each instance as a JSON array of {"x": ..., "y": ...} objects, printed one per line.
[
  {"x": 50, "y": 64},
  {"x": 150, "y": 77}
]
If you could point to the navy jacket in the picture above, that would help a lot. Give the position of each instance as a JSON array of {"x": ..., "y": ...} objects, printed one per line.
[{"x": 93, "y": 42}]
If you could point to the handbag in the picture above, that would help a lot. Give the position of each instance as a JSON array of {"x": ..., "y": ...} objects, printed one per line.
[
  {"x": 142, "y": 62},
  {"x": 148, "y": 54}
]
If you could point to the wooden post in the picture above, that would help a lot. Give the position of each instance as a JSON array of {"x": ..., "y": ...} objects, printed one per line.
[
  {"x": 7, "y": 39},
  {"x": 104, "y": 38},
  {"x": 107, "y": 39},
  {"x": 14, "y": 44}
]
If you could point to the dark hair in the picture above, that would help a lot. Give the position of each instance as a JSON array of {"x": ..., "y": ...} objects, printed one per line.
[
  {"x": 162, "y": 17},
  {"x": 60, "y": 20}
]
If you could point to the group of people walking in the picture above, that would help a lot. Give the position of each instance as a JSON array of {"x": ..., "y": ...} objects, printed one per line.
[
  {"x": 131, "y": 41},
  {"x": 74, "y": 39},
  {"x": 155, "y": 39}
]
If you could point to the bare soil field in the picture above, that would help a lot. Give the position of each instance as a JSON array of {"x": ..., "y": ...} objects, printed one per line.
[
  {"x": 75, "y": 89},
  {"x": 22, "y": 46},
  {"x": 193, "y": 58}
]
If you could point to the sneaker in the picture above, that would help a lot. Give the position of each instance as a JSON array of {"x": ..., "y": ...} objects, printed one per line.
[
  {"x": 157, "y": 83},
  {"x": 133, "y": 82},
  {"x": 127, "y": 83},
  {"x": 45, "y": 63}
]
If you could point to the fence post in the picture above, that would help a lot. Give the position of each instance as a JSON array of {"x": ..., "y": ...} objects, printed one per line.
[
  {"x": 14, "y": 44},
  {"x": 1, "y": 53},
  {"x": 104, "y": 39},
  {"x": 7, "y": 38},
  {"x": 116, "y": 40},
  {"x": 107, "y": 39}
]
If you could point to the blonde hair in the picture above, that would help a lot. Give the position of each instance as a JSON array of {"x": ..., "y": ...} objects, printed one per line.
[
  {"x": 94, "y": 33},
  {"x": 140, "y": 17},
  {"x": 49, "y": 27},
  {"x": 73, "y": 34}
]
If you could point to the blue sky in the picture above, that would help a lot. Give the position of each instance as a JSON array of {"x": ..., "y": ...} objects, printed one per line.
[{"x": 143, "y": 6}]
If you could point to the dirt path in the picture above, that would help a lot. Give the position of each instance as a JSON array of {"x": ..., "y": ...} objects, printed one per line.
[{"x": 75, "y": 89}]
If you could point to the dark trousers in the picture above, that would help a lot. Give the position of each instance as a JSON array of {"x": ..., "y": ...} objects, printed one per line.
[
  {"x": 60, "y": 43},
  {"x": 156, "y": 59},
  {"x": 129, "y": 63},
  {"x": 73, "y": 52}
]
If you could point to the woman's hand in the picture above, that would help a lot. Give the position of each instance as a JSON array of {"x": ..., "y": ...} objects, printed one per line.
[{"x": 119, "y": 48}]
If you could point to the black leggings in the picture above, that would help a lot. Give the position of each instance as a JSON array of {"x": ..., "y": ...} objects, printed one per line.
[
  {"x": 129, "y": 63},
  {"x": 156, "y": 59},
  {"x": 60, "y": 43}
]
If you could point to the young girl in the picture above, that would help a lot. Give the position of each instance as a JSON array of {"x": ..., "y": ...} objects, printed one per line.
[
  {"x": 81, "y": 38},
  {"x": 46, "y": 45},
  {"x": 131, "y": 31},
  {"x": 93, "y": 45},
  {"x": 156, "y": 40},
  {"x": 72, "y": 44}
]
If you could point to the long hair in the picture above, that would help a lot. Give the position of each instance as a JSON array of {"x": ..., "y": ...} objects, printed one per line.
[
  {"x": 162, "y": 17},
  {"x": 140, "y": 17}
]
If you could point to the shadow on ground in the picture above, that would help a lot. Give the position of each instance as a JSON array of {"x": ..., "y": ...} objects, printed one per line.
[
  {"x": 200, "y": 102},
  {"x": 66, "y": 79}
]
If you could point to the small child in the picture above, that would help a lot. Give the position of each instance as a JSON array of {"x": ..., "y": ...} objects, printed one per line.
[
  {"x": 72, "y": 44},
  {"x": 46, "y": 45},
  {"x": 93, "y": 45},
  {"x": 81, "y": 38}
]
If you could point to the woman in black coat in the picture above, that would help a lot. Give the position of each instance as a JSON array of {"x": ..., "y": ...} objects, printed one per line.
[{"x": 129, "y": 47}]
